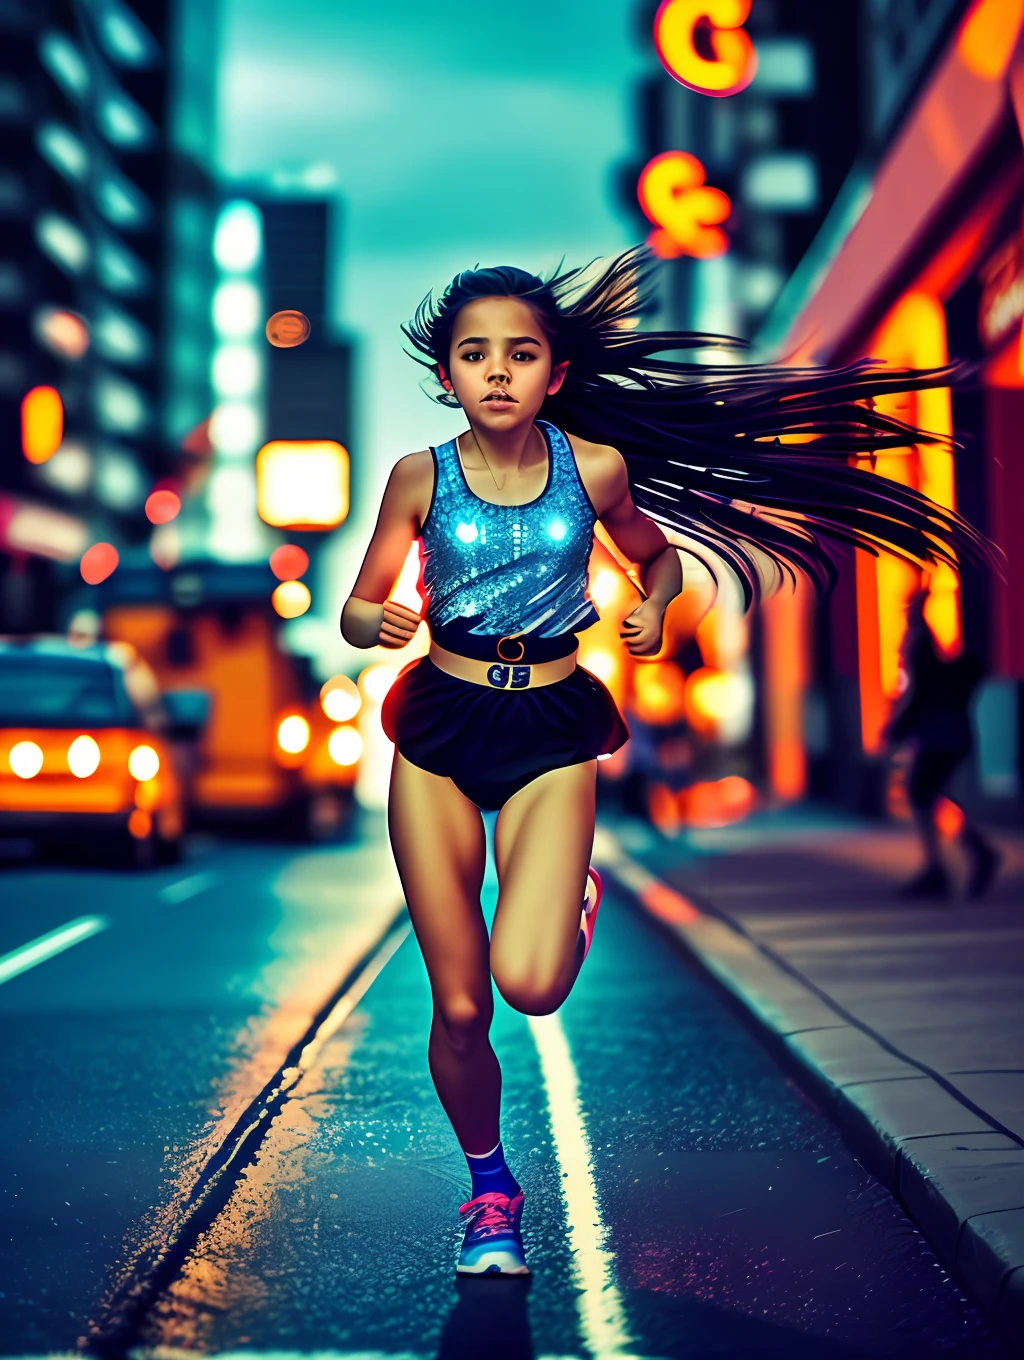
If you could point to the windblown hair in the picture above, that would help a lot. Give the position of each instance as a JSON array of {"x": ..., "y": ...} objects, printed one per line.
[{"x": 758, "y": 465}]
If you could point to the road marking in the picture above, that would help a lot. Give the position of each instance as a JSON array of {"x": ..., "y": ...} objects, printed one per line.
[
  {"x": 186, "y": 888},
  {"x": 46, "y": 946},
  {"x": 599, "y": 1303}
]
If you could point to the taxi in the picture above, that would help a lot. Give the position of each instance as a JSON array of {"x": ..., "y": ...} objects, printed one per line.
[{"x": 86, "y": 751}]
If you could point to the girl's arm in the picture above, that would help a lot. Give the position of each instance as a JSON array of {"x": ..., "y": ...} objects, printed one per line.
[
  {"x": 637, "y": 537},
  {"x": 369, "y": 618}
]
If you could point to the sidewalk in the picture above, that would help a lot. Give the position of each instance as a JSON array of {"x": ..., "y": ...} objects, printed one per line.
[{"x": 904, "y": 1020}]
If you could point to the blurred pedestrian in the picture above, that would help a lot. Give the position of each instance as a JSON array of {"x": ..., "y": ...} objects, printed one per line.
[
  {"x": 750, "y": 463},
  {"x": 934, "y": 716}
]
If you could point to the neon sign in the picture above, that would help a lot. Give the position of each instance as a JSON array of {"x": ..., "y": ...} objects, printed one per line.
[
  {"x": 685, "y": 211},
  {"x": 703, "y": 45}
]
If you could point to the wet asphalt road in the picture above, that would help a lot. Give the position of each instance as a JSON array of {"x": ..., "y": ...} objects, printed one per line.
[{"x": 682, "y": 1198}]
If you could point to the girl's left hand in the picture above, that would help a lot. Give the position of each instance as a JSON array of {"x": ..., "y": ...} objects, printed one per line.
[{"x": 641, "y": 631}]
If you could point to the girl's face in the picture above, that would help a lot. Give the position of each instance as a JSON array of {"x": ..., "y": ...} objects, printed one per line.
[{"x": 500, "y": 363}]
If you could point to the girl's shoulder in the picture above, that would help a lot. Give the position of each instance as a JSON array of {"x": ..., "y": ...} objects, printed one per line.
[
  {"x": 597, "y": 456},
  {"x": 602, "y": 470},
  {"x": 411, "y": 483}
]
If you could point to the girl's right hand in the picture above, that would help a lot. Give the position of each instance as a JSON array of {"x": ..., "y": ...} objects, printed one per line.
[{"x": 399, "y": 625}]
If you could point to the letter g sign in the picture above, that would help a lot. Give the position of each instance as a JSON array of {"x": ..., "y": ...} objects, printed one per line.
[{"x": 703, "y": 45}]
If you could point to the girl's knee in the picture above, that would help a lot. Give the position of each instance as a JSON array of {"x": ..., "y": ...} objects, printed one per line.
[
  {"x": 531, "y": 991},
  {"x": 464, "y": 1020}
]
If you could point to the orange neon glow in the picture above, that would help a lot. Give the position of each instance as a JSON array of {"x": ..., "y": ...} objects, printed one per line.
[
  {"x": 98, "y": 562},
  {"x": 659, "y": 692},
  {"x": 949, "y": 819},
  {"x": 786, "y": 619},
  {"x": 913, "y": 334},
  {"x": 686, "y": 212},
  {"x": 988, "y": 36},
  {"x": 733, "y": 63},
  {"x": 42, "y": 423}
]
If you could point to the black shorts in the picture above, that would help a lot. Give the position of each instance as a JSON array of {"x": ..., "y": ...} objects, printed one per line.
[
  {"x": 490, "y": 742},
  {"x": 930, "y": 773}
]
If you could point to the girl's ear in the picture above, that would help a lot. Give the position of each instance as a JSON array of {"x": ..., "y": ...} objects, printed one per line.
[
  {"x": 444, "y": 379},
  {"x": 558, "y": 373}
]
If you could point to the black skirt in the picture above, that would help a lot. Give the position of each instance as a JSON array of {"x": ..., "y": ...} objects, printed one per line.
[{"x": 491, "y": 742}]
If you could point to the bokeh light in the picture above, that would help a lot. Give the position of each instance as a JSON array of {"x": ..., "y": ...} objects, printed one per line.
[
  {"x": 238, "y": 240},
  {"x": 345, "y": 746},
  {"x": 375, "y": 681},
  {"x": 291, "y": 599},
  {"x": 42, "y": 423},
  {"x": 289, "y": 562},
  {"x": 340, "y": 698},
  {"x": 162, "y": 506},
  {"x": 98, "y": 562}
]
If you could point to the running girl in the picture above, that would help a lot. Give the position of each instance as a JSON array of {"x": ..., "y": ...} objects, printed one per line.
[{"x": 573, "y": 419}]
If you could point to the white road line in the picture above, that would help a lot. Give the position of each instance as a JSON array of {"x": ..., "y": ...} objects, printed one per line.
[
  {"x": 602, "y": 1314},
  {"x": 186, "y": 888},
  {"x": 46, "y": 946}
]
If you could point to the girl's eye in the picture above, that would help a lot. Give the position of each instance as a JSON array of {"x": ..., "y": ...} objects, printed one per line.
[
  {"x": 521, "y": 354},
  {"x": 472, "y": 355}
]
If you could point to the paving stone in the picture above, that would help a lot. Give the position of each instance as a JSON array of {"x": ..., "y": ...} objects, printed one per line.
[
  {"x": 991, "y": 1247},
  {"x": 878, "y": 1115},
  {"x": 845, "y": 1055},
  {"x": 949, "y": 1179}
]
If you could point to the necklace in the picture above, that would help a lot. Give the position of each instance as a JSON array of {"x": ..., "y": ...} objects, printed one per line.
[{"x": 458, "y": 449}]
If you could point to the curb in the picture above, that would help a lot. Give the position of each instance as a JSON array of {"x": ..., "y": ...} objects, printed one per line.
[{"x": 957, "y": 1172}]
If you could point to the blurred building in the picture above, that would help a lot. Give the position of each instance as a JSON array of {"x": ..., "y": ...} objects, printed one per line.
[
  {"x": 921, "y": 259},
  {"x": 104, "y": 278},
  {"x": 875, "y": 177}
]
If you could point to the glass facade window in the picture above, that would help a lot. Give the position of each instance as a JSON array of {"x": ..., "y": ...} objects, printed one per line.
[
  {"x": 123, "y": 123},
  {"x": 785, "y": 66},
  {"x": 64, "y": 150},
  {"x": 65, "y": 244},
  {"x": 125, "y": 38},
  {"x": 786, "y": 181},
  {"x": 120, "y": 406},
  {"x": 64, "y": 60},
  {"x": 118, "y": 481},
  {"x": 119, "y": 337},
  {"x": 14, "y": 101},
  {"x": 119, "y": 270}
]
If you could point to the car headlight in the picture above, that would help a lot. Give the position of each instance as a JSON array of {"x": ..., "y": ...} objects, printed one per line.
[
  {"x": 26, "y": 759},
  {"x": 143, "y": 763},
  {"x": 83, "y": 757},
  {"x": 293, "y": 734}
]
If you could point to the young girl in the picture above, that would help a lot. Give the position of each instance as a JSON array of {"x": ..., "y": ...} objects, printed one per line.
[{"x": 571, "y": 420}]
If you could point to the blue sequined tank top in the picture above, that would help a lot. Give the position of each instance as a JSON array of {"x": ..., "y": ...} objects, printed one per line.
[{"x": 508, "y": 571}]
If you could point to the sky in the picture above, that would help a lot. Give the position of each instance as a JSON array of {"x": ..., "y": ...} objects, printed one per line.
[{"x": 452, "y": 134}]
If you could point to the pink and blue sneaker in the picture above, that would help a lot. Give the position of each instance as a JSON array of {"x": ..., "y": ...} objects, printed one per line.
[
  {"x": 493, "y": 1243},
  {"x": 591, "y": 902}
]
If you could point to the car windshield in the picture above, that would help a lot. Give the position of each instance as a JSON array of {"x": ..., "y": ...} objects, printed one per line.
[{"x": 46, "y": 691}]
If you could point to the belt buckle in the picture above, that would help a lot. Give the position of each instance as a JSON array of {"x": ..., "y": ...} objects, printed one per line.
[{"x": 508, "y": 677}]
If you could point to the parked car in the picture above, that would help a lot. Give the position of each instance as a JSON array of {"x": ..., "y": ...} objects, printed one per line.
[{"x": 88, "y": 749}]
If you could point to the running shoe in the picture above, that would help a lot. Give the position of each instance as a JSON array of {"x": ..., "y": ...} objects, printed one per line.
[
  {"x": 493, "y": 1244},
  {"x": 589, "y": 917}
]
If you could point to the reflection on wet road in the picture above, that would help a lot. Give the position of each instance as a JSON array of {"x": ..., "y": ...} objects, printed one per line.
[{"x": 681, "y": 1198}]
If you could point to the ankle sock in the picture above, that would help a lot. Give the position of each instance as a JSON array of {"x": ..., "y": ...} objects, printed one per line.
[{"x": 491, "y": 1174}]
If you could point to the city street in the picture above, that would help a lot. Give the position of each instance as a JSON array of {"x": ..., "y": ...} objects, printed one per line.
[{"x": 219, "y": 1135}]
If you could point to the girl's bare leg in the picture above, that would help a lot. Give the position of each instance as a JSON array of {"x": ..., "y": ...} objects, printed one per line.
[
  {"x": 437, "y": 836},
  {"x": 542, "y": 844}
]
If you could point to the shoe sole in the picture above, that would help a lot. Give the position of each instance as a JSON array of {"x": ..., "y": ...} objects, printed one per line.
[{"x": 492, "y": 1267}]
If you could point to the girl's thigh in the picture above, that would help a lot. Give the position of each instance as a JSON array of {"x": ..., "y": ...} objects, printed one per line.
[
  {"x": 542, "y": 844},
  {"x": 437, "y": 836}
]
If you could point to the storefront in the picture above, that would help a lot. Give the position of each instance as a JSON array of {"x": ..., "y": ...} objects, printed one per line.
[{"x": 928, "y": 265}]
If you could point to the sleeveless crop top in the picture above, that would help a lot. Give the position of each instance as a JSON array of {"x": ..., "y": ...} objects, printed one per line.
[{"x": 508, "y": 571}]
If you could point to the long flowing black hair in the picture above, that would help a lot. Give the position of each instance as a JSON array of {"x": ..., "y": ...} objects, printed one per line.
[{"x": 758, "y": 465}]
